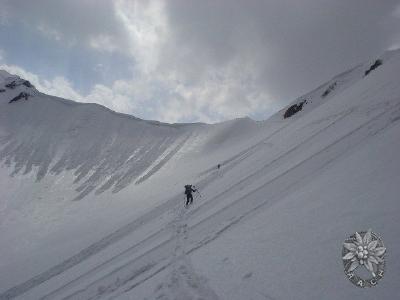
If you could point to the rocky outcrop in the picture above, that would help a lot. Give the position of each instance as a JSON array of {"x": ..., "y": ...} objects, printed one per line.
[
  {"x": 376, "y": 64},
  {"x": 21, "y": 95},
  {"x": 295, "y": 108},
  {"x": 17, "y": 82}
]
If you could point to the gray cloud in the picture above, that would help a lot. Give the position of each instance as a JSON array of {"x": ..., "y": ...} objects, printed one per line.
[
  {"x": 212, "y": 60},
  {"x": 291, "y": 45},
  {"x": 72, "y": 21}
]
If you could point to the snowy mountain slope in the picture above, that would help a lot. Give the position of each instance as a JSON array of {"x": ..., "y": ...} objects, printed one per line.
[
  {"x": 296, "y": 185},
  {"x": 55, "y": 151},
  {"x": 114, "y": 151}
]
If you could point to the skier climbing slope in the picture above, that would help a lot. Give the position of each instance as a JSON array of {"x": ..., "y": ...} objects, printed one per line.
[{"x": 188, "y": 192}]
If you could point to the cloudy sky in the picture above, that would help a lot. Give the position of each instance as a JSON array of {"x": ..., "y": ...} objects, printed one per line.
[{"x": 191, "y": 60}]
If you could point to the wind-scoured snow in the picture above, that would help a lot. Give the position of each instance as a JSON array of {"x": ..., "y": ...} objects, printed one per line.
[{"x": 92, "y": 201}]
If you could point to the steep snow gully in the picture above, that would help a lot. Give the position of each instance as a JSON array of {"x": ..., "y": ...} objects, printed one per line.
[{"x": 152, "y": 247}]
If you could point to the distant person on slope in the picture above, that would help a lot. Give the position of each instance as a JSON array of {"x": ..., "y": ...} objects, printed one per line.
[{"x": 188, "y": 191}]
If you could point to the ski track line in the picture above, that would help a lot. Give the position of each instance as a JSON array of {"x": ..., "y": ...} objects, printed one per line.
[
  {"x": 236, "y": 159},
  {"x": 123, "y": 275},
  {"x": 129, "y": 251},
  {"x": 322, "y": 158},
  {"x": 245, "y": 151},
  {"x": 237, "y": 185},
  {"x": 276, "y": 160},
  {"x": 159, "y": 234},
  {"x": 369, "y": 131},
  {"x": 113, "y": 261},
  {"x": 183, "y": 282},
  {"x": 248, "y": 152},
  {"x": 264, "y": 140},
  {"x": 87, "y": 252},
  {"x": 93, "y": 249}
]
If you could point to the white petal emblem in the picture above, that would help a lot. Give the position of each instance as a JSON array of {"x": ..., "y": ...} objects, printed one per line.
[{"x": 364, "y": 249}]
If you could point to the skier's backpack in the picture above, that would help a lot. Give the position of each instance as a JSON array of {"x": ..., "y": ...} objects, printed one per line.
[{"x": 188, "y": 189}]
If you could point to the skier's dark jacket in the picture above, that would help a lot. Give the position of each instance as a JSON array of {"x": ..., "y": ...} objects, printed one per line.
[{"x": 189, "y": 189}]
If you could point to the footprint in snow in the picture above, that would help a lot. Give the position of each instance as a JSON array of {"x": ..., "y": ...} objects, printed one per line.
[{"x": 183, "y": 283}]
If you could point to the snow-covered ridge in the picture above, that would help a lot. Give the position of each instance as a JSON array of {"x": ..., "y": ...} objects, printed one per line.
[
  {"x": 48, "y": 135},
  {"x": 15, "y": 88},
  {"x": 336, "y": 85},
  {"x": 105, "y": 150}
]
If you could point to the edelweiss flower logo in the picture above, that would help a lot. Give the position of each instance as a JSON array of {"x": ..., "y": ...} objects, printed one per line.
[{"x": 364, "y": 249}]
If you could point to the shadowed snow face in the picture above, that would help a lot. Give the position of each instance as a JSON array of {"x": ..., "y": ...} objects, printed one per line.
[{"x": 105, "y": 150}]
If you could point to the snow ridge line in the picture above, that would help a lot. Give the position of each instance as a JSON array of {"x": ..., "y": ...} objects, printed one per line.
[{"x": 322, "y": 158}]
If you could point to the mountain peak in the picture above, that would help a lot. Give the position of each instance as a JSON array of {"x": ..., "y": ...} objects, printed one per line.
[{"x": 15, "y": 87}]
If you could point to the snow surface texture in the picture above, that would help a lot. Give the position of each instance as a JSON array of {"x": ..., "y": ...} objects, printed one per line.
[{"x": 92, "y": 201}]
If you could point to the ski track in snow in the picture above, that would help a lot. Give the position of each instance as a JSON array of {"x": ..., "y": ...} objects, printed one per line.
[
  {"x": 183, "y": 283},
  {"x": 137, "y": 270}
]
